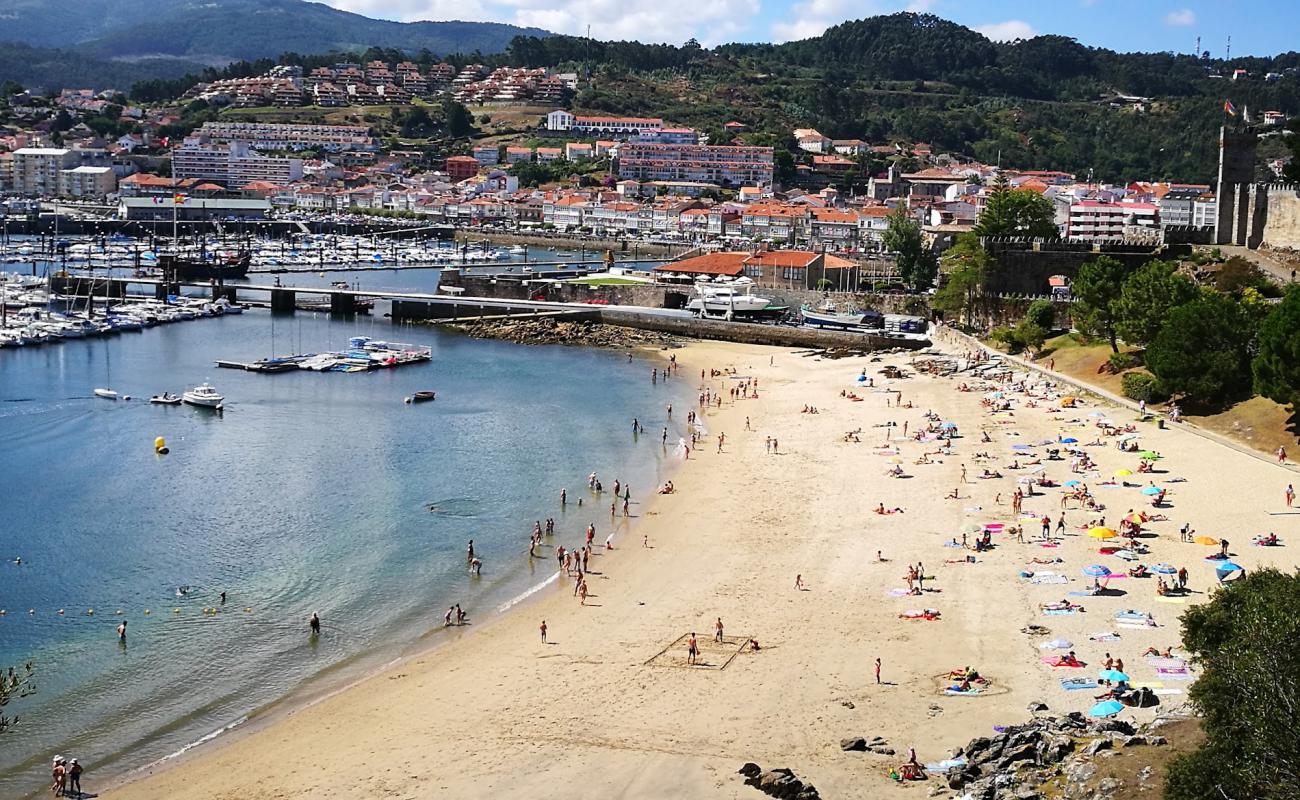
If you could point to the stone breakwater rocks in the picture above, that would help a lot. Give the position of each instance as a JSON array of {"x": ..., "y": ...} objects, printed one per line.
[
  {"x": 1047, "y": 755},
  {"x": 548, "y": 330},
  {"x": 780, "y": 782}
]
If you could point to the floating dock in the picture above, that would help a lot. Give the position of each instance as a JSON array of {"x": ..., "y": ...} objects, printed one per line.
[{"x": 363, "y": 355}]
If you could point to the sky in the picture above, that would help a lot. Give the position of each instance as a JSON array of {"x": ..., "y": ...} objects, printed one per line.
[{"x": 1257, "y": 27}]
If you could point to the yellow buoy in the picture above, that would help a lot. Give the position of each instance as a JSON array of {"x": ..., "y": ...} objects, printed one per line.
[
  {"x": 176, "y": 611},
  {"x": 248, "y": 611},
  {"x": 90, "y": 612},
  {"x": 159, "y": 443},
  {"x": 146, "y": 612}
]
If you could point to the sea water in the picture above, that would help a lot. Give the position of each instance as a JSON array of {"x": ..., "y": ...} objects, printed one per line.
[{"x": 311, "y": 493}]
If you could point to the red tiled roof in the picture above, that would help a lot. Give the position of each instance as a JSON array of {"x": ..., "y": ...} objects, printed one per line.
[{"x": 710, "y": 264}]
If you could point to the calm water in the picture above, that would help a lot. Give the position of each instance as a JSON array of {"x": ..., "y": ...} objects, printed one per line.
[{"x": 311, "y": 493}]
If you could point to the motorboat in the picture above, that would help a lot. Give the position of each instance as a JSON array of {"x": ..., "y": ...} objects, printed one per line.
[
  {"x": 166, "y": 399},
  {"x": 726, "y": 301},
  {"x": 204, "y": 396},
  {"x": 828, "y": 316},
  {"x": 422, "y": 397}
]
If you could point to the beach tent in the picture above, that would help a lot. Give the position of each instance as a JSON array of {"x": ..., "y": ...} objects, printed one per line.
[{"x": 1208, "y": 540}]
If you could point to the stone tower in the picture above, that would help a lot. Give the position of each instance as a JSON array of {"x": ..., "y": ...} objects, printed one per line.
[{"x": 1235, "y": 193}]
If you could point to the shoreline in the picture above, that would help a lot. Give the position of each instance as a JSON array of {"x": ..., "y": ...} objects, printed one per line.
[
  {"x": 611, "y": 698},
  {"x": 426, "y": 643}
]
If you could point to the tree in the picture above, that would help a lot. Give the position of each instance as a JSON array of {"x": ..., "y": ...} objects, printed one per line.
[
  {"x": 916, "y": 262},
  {"x": 1277, "y": 366},
  {"x": 1203, "y": 350},
  {"x": 1147, "y": 297},
  {"x": 1042, "y": 313},
  {"x": 1016, "y": 212},
  {"x": 1031, "y": 334},
  {"x": 966, "y": 264},
  {"x": 457, "y": 119},
  {"x": 1244, "y": 642},
  {"x": 1096, "y": 289}
]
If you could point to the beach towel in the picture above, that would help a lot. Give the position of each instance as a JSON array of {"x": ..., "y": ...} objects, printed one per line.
[
  {"x": 1048, "y": 578},
  {"x": 1107, "y": 636},
  {"x": 1071, "y": 684},
  {"x": 1158, "y": 662},
  {"x": 1132, "y": 616},
  {"x": 1048, "y": 544},
  {"x": 898, "y": 592},
  {"x": 967, "y": 693},
  {"x": 1175, "y": 600},
  {"x": 916, "y": 613},
  {"x": 1174, "y": 674},
  {"x": 951, "y": 543},
  {"x": 1135, "y": 626},
  {"x": 1060, "y": 612},
  {"x": 1060, "y": 661},
  {"x": 1167, "y": 691}
]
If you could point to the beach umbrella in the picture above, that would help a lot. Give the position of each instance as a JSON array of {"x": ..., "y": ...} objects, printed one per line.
[
  {"x": 1069, "y": 440},
  {"x": 1073, "y": 484},
  {"x": 1149, "y": 455},
  {"x": 949, "y": 425},
  {"x": 1164, "y": 569},
  {"x": 1057, "y": 644},
  {"x": 1106, "y": 708},
  {"x": 1096, "y": 571},
  {"x": 1102, "y": 533},
  {"x": 1210, "y": 540},
  {"x": 1123, "y": 473},
  {"x": 1226, "y": 568},
  {"x": 1020, "y": 447},
  {"x": 1134, "y": 518},
  {"x": 972, "y": 528},
  {"x": 1128, "y": 436},
  {"x": 1113, "y": 675},
  {"x": 1096, "y": 414},
  {"x": 1151, "y": 490}
]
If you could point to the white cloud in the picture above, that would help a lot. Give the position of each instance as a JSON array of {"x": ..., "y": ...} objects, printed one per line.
[
  {"x": 1007, "y": 31},
  {"x": 672, "y": 21},
  {"x": 1182, "y": 18}
]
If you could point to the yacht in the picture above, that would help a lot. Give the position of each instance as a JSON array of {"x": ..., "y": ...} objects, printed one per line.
[
  {"x": 828, "y": 316},
  {"x": 726, "y": 300},
  {"x": 204, "y": 396}
]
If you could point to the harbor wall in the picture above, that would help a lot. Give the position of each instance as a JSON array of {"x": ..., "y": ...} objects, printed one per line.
[{"x": 749, "y": 333}]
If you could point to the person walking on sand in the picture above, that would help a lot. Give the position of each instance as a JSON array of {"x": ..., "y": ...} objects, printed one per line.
[
  {"x": 717, "y": 631},
  {"x": 1281, "y": 454},
  {"x": 313, "y": 622},
  {"x": 582, "y": 593},
  {"x": 877, "y": 670},
  {"x": 543, "y": 630},
  {"x": 692, "y": 649},
  {"x": 798, "y": 582},
  {"x": 1290, "y": 495}
]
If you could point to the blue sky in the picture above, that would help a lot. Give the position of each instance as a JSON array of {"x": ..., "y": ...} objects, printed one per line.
[{"x": 1257, "y": 27}]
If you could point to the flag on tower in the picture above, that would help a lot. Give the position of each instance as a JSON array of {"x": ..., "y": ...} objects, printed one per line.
[{"x": 1229, "y": 108}]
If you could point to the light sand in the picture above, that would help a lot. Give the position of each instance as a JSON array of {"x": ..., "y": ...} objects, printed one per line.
[{"x": 498, "y": 714}]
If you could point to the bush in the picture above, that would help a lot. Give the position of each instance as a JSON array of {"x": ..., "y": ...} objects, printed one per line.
[
  {"x": 1009, "y": 338},
  {"x": 1143, "y": 386},
  {"x": 1043, "y": 314},
  {"x": 1122, "y": 361}
]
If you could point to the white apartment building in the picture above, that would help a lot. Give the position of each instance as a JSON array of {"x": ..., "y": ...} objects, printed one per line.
[
  {"x": 625, "y": 126},
  {"x": 233, "y": 164},
  {"x": 84, "y": 181},
  {"x": 1094, "y": 220},
  {"x": 37, "y": 170},
  {"x": 291, "y": 136}
]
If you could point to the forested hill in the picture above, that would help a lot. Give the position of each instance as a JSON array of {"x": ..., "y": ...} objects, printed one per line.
[
  {"x": 1046, "y": 102},
  {"x": 220, "y": 31}
]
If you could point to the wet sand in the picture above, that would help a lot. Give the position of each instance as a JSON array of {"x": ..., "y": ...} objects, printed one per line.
[{"x": 609, "y": 708}]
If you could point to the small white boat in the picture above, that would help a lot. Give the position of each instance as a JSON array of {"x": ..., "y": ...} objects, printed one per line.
[
  {"x": 166, "y": 399},
  {"x": 204, "y": 396},
  {"x": 107, "y": 394}
]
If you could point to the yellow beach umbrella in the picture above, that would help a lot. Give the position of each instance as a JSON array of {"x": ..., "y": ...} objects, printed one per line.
[
  {"x": 1102, "y": 533},
  {"x": 1210, "y": 540},
  {"x": 1134, "y": 518},
  {"x": 1123, "y": 473}
]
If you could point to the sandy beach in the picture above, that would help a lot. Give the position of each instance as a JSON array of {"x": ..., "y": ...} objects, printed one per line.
[{"x": 608, "y": 707}]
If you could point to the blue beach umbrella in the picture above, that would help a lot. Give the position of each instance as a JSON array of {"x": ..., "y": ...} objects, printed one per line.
[
  {"x": 1151, "y": 490},
  {"x": 1164, "y": 569},
  {"x": 1096, "y": 571},
  {"x": 1069, "y": 440},
  {"x": 1072, "y": 484},
  {"x": 1106, "y": 708},
  {"x": 949, "y": 425},
  {"x": 1113, "y": 675},
  {"x": 1226, "y": 568}
]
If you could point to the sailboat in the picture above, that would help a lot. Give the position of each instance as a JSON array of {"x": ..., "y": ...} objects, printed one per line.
[{"x": 104, "y": 392}]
